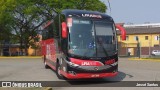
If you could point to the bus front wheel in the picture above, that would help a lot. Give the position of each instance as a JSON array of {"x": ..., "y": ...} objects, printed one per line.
[{"x": 58, "y": 68}]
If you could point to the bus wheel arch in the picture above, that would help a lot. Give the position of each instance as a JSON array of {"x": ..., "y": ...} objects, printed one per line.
[{"x": 58, "y": 68}]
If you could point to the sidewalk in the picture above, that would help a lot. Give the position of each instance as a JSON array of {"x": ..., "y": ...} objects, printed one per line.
[
  {"x": 129, "y": 58},
  {"x": 144, "y": 59}
]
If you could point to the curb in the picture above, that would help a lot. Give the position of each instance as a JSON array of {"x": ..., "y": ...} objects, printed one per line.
[
  {"x": 143, "y": 59},
  {"x": 48, "y": 88}
]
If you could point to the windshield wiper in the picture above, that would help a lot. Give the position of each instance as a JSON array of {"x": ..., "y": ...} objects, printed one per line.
[{"x": 103, "y": 49}]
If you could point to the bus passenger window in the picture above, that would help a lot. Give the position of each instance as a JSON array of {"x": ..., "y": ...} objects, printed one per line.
[{"x": 44, "y": 34}]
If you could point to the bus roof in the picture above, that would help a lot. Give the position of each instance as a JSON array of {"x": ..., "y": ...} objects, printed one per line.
[{"x": 85, "y": 14}]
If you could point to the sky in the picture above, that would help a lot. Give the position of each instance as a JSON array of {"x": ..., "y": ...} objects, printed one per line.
[{"x": 134, "y": 11}]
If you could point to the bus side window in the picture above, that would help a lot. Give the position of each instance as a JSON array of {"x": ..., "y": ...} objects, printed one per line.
[
  {"x": 56, "y": 27},
  {"x": 44, "y": 34},
  {"x": 50, "y": 31}
]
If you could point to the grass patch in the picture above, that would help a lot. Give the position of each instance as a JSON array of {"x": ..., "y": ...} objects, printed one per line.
[{"x": 151, "y": 58}]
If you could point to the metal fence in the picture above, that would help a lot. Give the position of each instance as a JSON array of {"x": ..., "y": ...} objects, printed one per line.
[{"x": 137, "y": 50}]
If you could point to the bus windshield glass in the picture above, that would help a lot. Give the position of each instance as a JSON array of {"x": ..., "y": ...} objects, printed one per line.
[{"x": 90, "y": 38}]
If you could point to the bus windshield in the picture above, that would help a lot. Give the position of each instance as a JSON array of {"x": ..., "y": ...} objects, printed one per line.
[{"x": 89, "y": 38}]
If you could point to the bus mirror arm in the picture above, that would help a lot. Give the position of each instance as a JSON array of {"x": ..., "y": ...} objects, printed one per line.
[
  {"x": 64, "y": 30},
  {"x": 122, "y": 30}
]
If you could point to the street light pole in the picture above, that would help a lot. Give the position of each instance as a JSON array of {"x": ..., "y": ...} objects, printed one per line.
[
  {"x": 159, "y": 40},
  {"x": 138, "y": 47},
  {"x": 149, "y": 49},
  {"x": 0, "y": 44}
]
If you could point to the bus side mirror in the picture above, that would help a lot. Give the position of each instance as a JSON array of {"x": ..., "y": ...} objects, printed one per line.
[
  {"x": 123, "y": 31},
  {"x": 64, "y": 30}
]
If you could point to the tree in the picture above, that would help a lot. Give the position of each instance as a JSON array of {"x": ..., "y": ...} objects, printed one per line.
[
  {"x": 26, "y": 16},
  {"x": 59, "y": 5},
  {"x": 5, "y": 22},
  {"x": 27, "y": 20}
]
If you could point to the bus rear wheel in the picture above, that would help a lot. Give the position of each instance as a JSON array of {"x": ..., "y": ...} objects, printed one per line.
[
  {"x": 45, "y": 63},
  {"x": 58, "y": 68}
]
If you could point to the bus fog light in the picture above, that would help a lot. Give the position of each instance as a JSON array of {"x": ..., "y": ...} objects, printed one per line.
[
  {"x": 114, "y": 71},
  {"x": 114, "y": 64},
  {"x": 72, "y": 72}
]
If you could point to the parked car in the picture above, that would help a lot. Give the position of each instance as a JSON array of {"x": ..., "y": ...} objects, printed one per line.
[{"x": 155, "y": 52}]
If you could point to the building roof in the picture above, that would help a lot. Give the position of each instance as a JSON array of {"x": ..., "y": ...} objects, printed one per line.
[
  {"x": 143, "y": 25},
  {"x": 141, "y": 30}
]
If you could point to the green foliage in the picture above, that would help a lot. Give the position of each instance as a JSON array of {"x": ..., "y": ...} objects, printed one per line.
[
  {"x": 59, "y": 5},
  {"x": 5, "y": 19},
  {"x": 20, "y": 19}
]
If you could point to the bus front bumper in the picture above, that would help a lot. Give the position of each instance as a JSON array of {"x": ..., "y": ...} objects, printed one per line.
[{"x": 87, "y": 75}]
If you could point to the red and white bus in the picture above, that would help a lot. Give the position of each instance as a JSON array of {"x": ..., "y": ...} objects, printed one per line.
[{"x": 81, "y": 44}]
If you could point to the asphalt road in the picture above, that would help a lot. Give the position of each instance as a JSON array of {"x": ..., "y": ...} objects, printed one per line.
[{"x": 32, "y": 69}]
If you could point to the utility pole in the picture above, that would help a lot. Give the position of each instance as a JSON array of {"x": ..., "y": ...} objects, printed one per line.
[
  {"x": 149, "y": 49},
  {"x": 159, "y": 40},
  {"x": 0, "y": 44},
  {"x": 138, "y": 47}
]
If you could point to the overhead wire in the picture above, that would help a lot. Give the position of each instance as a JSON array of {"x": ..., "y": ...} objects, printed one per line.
[{"x": 110, "y": 7}]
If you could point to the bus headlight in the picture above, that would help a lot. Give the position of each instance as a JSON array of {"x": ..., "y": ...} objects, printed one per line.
[
  {"x": 114, "y": 64},
  {"x": 73, "y": 64},
  {"x": 109, "y": 62}
]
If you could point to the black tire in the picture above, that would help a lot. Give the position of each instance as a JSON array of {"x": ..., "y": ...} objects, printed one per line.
[
  {"x": 45, "y": 64},
  {"x": 153, "y": 54},
  {"x": 58, "y": 68}
]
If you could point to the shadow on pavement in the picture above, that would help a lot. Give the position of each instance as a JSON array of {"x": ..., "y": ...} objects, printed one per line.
[{"x": 121, "y": 75}]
